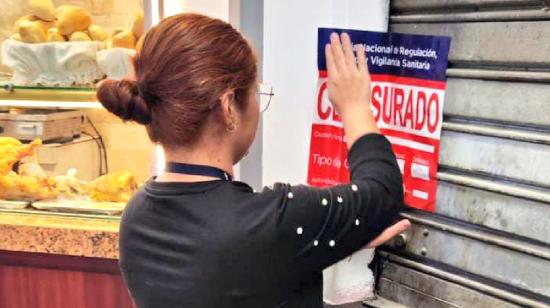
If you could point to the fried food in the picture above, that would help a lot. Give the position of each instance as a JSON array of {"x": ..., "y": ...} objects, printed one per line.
[
  {"x": 31, "y": 169},
  {"x": 67, "y": 186},
  {"x": 12, "y": 151},
  {"x": 113, "y": 187},
  {"x": 25, "y": 188},
  {"x": 32, "y": 183}
]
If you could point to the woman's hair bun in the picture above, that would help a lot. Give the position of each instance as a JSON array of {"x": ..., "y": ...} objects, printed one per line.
[{"x": 123, "y": 98}]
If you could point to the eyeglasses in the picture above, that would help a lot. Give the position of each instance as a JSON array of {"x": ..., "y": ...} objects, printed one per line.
[{"x": 264, "y": 95}]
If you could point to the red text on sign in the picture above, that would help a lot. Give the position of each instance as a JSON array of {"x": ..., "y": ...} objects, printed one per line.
[{"x": 412, "y": 108}]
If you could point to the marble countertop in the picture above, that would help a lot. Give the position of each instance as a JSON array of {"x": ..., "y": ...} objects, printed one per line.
[{"x": 59, "y": 234}]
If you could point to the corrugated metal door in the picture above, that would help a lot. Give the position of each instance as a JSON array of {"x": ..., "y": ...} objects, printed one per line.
[{"x": 488, "y": 244}]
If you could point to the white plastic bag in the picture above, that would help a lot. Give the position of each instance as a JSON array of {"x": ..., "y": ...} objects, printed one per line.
[
  {"x": 349, "y": 280},
  {"x": 52, "y": 64},
  {"x": 116, "y": 62}
]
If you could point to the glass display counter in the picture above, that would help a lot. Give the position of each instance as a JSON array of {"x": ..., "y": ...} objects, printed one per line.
[
  {"x": 67, "y": 166},
  {"x": 53, "y": 54}
]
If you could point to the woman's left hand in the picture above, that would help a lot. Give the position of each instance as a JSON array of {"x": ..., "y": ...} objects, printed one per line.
[{"x": 390, "y": 233}]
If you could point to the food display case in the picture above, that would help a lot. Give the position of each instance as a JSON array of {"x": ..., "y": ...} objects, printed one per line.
[
  {"x": 67, "y": 166},
  {"x": 53, "y": 54}
]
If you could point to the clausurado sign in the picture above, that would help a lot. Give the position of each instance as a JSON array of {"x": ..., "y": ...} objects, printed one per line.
[{"x": 408, "y": 88}]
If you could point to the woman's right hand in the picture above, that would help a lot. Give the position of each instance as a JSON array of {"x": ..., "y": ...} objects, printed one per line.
[
  {"x": 349, "y": 87},
  {"x": 348, "y": 79}
]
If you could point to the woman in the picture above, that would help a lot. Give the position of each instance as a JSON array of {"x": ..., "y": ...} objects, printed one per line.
[{"x": 191, "y": 237}]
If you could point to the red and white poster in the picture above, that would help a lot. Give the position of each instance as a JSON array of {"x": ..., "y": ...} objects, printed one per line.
[{"x": 408, "y": 89}]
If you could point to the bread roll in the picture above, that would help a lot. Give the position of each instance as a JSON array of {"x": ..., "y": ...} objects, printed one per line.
[
  {"x": 123, "y": 39},
  {"x": 54, "y": 36},
  {"x": 43, "y": 9},
  {"x": 18, "y": 22},
  {"x": 97, "y": 33},
  {"x": 16, "y": 37},
  {"x": 44, "y": 24},
  {"x": 31, "y": 32},
  {"x": 137, "y": 24},
  {"x": 72, "y": 19},
  {"x": 79, "y": 36}
]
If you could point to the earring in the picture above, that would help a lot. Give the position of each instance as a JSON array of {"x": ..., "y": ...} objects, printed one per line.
[{"x": 231, "y": 127}]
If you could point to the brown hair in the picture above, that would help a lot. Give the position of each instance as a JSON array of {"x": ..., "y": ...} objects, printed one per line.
[{"x": 186, "y": 63}]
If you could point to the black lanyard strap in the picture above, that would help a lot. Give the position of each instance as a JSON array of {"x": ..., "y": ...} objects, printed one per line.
[{"x": 189, "y": 169}]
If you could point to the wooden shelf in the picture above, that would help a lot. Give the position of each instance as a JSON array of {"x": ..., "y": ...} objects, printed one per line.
[
  {"x": 35, "y": 97},
  {"x": 48, "y": 104}
]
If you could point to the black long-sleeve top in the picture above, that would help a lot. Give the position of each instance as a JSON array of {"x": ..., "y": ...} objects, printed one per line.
[{"x": 219, "y": 244}]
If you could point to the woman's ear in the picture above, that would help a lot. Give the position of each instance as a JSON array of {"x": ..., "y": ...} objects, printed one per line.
[{"x": 228, "y": 107}]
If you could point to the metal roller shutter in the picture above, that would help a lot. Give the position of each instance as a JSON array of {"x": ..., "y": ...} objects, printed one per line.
[{"x": 488, "y": 244}]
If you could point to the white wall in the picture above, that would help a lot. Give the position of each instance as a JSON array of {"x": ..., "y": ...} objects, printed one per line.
[
  {"x": 290, "y": 65},
  {"x": 214, "y": 8}
]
